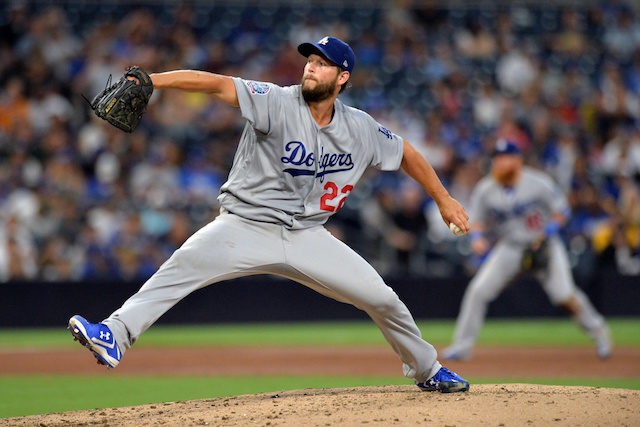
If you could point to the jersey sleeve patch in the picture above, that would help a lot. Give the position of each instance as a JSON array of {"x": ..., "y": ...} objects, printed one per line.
[
  {"x": 386, "y": 132},
  {"x": 257, "y": 88}
]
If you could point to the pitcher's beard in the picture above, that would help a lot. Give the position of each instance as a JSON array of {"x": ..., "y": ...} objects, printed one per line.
[
  {"x": 319, "y": 93},
  {"x": 506, "y": 177}
]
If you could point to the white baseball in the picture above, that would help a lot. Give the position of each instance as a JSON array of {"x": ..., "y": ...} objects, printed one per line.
[{"x": 455, "y": 229}]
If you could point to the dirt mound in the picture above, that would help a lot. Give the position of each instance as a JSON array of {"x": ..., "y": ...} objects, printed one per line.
[{"x": 510, "y": 404}]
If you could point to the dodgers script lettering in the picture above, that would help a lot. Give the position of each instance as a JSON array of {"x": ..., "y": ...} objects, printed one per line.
[{"x": 296, "y": 154}]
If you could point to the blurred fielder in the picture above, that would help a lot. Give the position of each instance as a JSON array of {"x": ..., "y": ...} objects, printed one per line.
[
  {"x": 300, "y": 155},
  {"x": 524, "y": 210}
]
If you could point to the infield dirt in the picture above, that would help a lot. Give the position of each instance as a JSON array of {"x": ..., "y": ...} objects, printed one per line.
[
  {"x": 496, "y": 362},
  {"x": 496, "y": 405}
]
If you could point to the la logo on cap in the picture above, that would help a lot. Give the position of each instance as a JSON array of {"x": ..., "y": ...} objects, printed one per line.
[{"x": 335, "y": 50}]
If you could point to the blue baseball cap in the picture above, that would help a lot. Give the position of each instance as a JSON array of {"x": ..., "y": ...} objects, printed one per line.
[
  {"x": 504, "y": 146},
  {"x": 335, "y": 50}
]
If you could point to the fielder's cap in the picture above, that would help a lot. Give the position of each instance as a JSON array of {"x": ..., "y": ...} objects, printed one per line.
[
  {"x": 504, "y": 146},
  {"x": 335, "y": 50}
]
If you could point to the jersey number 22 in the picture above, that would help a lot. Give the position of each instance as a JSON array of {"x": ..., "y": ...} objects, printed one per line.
[{"x": 328, "y": 202}]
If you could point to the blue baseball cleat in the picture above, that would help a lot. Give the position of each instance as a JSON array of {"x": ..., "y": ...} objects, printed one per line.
[
  {"x": 98, "y": 338},
  {"x": 444, "y": 381}
]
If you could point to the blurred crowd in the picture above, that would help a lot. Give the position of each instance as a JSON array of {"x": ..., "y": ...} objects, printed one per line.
[{"x": 81, "y": 200}]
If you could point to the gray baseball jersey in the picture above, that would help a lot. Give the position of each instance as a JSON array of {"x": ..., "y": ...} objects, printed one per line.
[
  {"x": 289, "y": 170},
  {"x": 517, "y": 214}
]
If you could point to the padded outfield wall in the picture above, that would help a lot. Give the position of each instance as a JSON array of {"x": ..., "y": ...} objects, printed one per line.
[{"x": 267, "y": 298}]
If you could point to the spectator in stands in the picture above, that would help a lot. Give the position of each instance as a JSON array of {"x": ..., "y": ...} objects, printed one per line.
[
  {"x": 17, "y": 251},
  {"x": 14, "y": 106}
]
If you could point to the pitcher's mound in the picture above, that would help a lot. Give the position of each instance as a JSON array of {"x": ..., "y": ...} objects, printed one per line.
[{"x": 509, "y": 404}]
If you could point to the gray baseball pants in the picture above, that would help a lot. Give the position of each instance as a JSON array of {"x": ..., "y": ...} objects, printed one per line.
[{"x": 231, "y": 247}]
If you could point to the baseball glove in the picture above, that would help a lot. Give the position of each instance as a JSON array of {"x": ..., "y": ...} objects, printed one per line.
[
  {"x": 536, "y": 256},
  {"x": 123, "y": 103}
]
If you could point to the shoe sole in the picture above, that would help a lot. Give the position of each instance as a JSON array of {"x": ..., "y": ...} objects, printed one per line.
[
  {"x": 79, "y": 334},
  {"x": 453, "y": 387}
]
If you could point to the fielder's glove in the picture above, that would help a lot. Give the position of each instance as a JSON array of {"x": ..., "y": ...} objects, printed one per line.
[
  {"x": 536, "y": 256},
  {"x": 123, "y": 103}
]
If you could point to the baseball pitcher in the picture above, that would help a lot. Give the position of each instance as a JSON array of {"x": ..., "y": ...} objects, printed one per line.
[
  {"x": 300, "y": 155},
  {"x": 523, "y": 210}
]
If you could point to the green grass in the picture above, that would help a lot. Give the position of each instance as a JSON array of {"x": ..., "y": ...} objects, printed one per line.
[
  {"x": 29, "y": 395},
  {"x": 522, "y": 332}
]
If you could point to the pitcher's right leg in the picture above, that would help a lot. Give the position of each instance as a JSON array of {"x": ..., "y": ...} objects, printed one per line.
[{"x": 226, "y": 248}]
